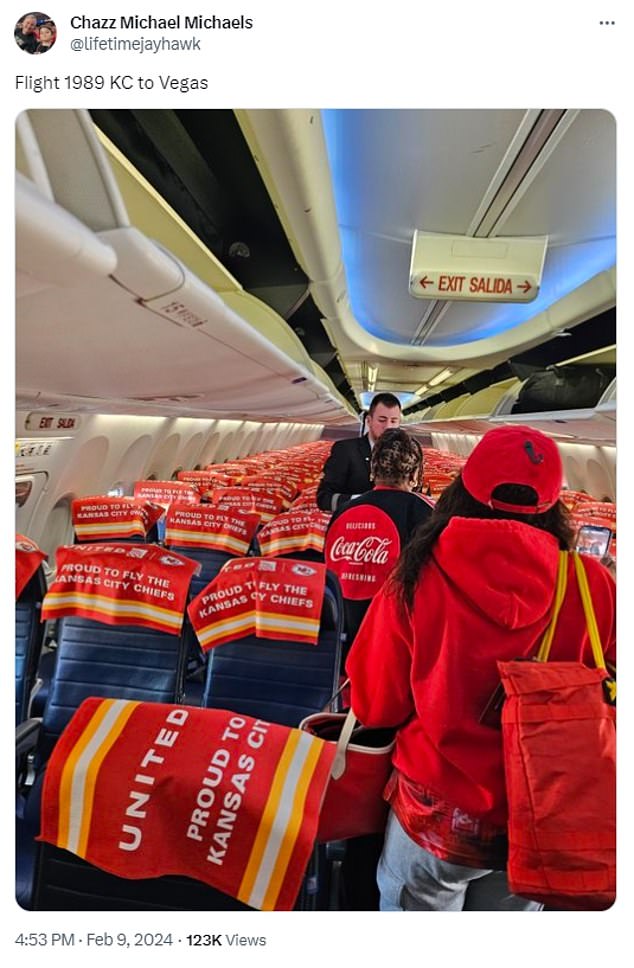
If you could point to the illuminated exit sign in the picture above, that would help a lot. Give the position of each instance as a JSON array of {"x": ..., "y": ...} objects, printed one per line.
[{"x": 455, "y": 267}]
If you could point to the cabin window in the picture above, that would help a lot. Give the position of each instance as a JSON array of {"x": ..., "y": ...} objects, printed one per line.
[
  {"x": 59, "y": 527},
  {"x": 23, "y": 490},
  {"x": 598, "y": 478},
  {"x": 117, "y": 490}
]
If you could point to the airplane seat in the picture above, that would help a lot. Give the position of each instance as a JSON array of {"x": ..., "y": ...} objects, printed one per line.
[
  {"x": 284, "y": 681},
  {"x": 199, "y": 534},
  {"x": 91, "y": 659},
  {"x": 103, "y": 518},
  {"x": 280, "y": 681},
  {"x": 64, "y": 882},
  {"x": 29, "y": 639},
  {"x": 57, "y": 880},
  {"x": 42, "y": 678},
  {"x": 309, "y": 554},
  {"x": 160, "y": 531},
  {"x": 210, "y": 562},
  {"x": 120, "y": 661}
]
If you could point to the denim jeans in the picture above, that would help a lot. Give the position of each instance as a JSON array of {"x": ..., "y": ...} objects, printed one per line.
[{"x": 412, "y": 879}]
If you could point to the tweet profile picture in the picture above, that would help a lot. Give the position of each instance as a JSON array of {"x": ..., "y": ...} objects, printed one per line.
[{"x": 35, "y": 32}]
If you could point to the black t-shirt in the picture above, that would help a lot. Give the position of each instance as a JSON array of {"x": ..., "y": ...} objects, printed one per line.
[
  {"x": 362, "y": 548},
  {"x": 406, "y": 509},
  {"x": 27, "y": 42}
]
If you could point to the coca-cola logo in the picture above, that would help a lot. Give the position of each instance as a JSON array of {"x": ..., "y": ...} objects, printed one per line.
[{"x": 372, "y": 549}]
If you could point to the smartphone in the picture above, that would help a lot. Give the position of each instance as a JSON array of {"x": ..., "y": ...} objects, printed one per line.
[{"x": 592, "y": 539}]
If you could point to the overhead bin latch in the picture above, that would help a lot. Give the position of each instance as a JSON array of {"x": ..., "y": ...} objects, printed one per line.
[{"x": 457, "y": 267}]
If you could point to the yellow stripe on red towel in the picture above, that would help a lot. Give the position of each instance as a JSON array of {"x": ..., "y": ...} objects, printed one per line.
[
  {"x": 100, "y": 607},
  {"x": 301, "y": 542},
  {"x": 234, "y": 628},
  {"x": 277, "y": 624},
  {"x": 77, "y": 785},
  {"x": 120, "y": 529},
  {"x": 280, "y": 823},
  {"x": 214, "y": 539}
]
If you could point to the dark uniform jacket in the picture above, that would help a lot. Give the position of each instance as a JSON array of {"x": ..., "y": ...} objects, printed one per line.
[{"x": 346, "y": 472}]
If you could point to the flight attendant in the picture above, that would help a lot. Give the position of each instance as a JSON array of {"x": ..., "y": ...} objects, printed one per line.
[{"x": 347, "y": 470}]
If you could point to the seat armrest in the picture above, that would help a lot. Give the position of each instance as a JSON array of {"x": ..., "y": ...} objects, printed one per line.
[{"x": 26, "y": 736}]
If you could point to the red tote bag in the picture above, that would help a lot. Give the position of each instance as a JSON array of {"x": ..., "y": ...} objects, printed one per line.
[
  {"x": 353, "y": 804},
  {"x": 559, "y": 739}
]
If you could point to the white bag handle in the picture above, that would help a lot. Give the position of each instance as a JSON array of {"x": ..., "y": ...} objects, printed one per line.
[{"x": 339, "y": 762}]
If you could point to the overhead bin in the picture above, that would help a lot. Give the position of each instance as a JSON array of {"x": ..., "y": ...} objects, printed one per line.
[
  {"x": 53, "y": 248},
  {"x": 158, "y": 334},
  {"x": 568, "y": 387},
  {"x": 61, "y": 148},
  {"x": 607, "y": 404},
  {"x": 483, "y": 402},
  {"x": 450, "y": 408},
  {"x": 479, "y": 412},
  {"x": 590, "y": 426}
]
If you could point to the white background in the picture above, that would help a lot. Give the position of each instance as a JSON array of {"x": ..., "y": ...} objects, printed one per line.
[{"x": 347, "y": 54}]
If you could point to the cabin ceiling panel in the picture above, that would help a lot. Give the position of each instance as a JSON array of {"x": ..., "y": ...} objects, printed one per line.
[
  {"x": 437, "y": 181},
  {"x": 386, "y": 191},
  {"x": 579, "y": 280},
  {"x": 572, "y": 198},
  {"x": 392, "y": 172}
]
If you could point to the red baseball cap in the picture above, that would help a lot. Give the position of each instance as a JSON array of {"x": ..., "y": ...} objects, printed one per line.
[{"x": 514, "y": 455}]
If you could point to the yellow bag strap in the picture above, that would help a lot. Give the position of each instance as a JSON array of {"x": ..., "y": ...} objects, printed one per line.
[
  {"x": 560, "y": 592},
  {"x": 588, "y": 608}
]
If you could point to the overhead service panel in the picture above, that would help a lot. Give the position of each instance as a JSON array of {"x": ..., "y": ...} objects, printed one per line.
[{"x": 457, "y": 267}]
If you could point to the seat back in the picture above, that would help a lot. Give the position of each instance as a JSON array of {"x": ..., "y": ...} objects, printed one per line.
[
  {"x": 118, "y": 661},
  {"x": 102, "y": 518},
  {"x": 279, "y": 681},
  {"x": 64, "y": 882},
  {"x": 308, "y": 555},
  {"x": 210, "y": 562},
  {"x": 29, "y": 638},
  {"x": 95, "y": 659}
]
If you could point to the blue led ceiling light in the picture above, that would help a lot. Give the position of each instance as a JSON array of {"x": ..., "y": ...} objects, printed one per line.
[{"x": 566, "y": 267}]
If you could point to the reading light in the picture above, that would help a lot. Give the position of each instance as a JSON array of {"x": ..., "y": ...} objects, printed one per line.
[
  {"x": 369, "y": 372},
  {"x": 440, "y": 377}
]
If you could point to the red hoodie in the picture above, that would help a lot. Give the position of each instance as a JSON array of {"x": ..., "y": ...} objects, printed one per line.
[{"x": 485, "y": 594}]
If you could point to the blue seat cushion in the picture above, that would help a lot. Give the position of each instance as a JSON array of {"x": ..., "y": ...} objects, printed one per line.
[{"x": 122, "y": 661}]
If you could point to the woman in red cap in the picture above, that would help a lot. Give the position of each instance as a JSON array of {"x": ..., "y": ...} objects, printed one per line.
[{"x": 474, "y": 586}]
